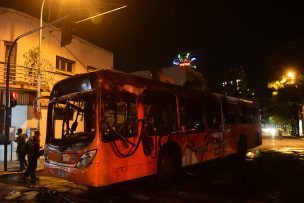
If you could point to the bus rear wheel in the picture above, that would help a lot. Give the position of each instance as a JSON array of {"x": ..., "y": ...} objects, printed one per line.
[{"x": 169, "y": 164}]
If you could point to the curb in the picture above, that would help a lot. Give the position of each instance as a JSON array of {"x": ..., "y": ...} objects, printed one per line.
[{"x": 10, "y": 173}]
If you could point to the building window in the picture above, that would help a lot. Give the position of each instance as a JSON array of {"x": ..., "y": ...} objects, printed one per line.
[{"x": 63, "y": 64}]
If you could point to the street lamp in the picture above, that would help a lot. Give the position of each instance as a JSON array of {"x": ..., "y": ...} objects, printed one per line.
[
  {"x": 291, "y": 74},
  {"x": 39, "y": 64},
  {"x": 290, "y": 77}
]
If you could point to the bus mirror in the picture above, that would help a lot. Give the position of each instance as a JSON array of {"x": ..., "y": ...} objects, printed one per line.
[{"x": 74, "y": 126}]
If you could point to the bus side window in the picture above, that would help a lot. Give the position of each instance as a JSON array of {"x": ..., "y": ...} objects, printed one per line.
[
  {"x": 110, "y": 111},
  {"x": 242, "y": 116},
  {"x": 229, "y": 113},
  {"x": 120, "y": 115},
  {"x": 213, "y": 112},
  {"x": 253, "y": 115},
  {"x": 191, "y": 113},
  {"x": 160, "y": 111}
]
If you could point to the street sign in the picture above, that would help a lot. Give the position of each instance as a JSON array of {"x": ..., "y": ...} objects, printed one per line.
[{"x": 12, "y": 133}]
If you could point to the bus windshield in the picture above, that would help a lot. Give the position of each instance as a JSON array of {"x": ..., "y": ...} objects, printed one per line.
[{"x": 73, "y": 120}]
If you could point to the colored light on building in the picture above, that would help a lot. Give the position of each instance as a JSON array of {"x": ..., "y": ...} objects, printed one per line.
[{"x": 186, "y": 60}]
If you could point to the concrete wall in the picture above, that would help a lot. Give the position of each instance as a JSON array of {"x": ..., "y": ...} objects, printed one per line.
[
  {"x": 24, "y": 119},
  {"x": 11, "y": 153}
]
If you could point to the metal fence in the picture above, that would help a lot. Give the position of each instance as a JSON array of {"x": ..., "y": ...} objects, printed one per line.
[{"x": 27, "y": 76}]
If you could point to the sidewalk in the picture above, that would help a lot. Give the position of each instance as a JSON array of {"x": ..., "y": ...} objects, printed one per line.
[{"x": 13, "y": 167}]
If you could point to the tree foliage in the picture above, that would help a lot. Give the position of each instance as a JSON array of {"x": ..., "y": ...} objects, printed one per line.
[
  {"x": 286, "y": 102},
  {"x": 31, "y": 63}
]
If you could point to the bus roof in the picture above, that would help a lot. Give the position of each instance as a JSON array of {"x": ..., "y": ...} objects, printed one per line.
[{"x": 112, "y": 78}]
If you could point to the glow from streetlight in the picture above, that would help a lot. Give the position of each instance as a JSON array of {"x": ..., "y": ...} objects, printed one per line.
[
  {"x": 289, "y": 78},
  {"x": 291, "y": 74},
  {"x": 101, "y": 14}
]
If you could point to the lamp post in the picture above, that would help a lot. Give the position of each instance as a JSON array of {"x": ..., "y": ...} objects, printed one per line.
[{"x": 39, "y": 64}]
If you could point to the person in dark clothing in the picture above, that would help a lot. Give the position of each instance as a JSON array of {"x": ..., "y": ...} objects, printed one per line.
[
  {"x": 21, "y": 142},
  {"x": 33, "y": 155}
]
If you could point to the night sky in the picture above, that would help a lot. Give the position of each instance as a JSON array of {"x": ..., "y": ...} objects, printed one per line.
[{"x": 222, "y": 34}]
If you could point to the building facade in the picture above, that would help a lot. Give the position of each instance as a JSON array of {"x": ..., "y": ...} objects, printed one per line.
[
  {"x": 234, "y": 84},
  {"x": 56, "y": 64}
]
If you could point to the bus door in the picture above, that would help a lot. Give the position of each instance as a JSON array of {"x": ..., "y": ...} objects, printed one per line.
[
  {"x": 160, "y": 119},
  {"x": 230, "y": 114},
  {"x": 193, "y": 128},
  {"x": 214, "y": 116}
]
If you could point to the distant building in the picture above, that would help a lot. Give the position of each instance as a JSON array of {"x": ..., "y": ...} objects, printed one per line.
[
  {"x": 57, "y": 63},
  {"x": 234, "y": 84},
  {"x": 238, "y": 89}
]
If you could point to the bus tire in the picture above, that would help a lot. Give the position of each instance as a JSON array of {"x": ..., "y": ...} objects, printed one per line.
[
  {"x": 169, "y": 162},
  {"x": 241, "y": 155}
]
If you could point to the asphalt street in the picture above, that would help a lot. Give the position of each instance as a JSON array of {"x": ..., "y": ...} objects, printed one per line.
[{"x": 272, "y": 172}]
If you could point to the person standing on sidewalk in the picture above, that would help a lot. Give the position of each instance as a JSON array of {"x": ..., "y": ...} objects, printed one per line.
[
  {"x": 33, "y": 154},
  {"x": 21, "y": 142}
]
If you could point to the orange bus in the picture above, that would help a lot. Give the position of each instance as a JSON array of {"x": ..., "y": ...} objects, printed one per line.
[{"x": 106, "y": 127}]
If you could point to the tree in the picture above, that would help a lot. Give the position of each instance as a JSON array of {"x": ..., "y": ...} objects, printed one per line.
[
  {"x": 31, "y": 61},
  {"x": 287, "y": 101}
]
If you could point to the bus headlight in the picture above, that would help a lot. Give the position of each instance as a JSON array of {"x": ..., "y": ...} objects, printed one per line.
[{"x": 85, "y": 159}]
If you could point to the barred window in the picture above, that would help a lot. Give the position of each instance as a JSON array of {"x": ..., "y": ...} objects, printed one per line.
[{"x": 63, "y": 64}]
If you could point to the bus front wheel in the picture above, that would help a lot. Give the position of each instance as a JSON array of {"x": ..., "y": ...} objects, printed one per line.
[{"x": 169, "y": 163}]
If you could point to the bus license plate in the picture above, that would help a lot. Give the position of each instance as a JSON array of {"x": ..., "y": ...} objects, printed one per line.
[
  {"x": 60, "y": 173},
  {"x": 66, "y": 157}
]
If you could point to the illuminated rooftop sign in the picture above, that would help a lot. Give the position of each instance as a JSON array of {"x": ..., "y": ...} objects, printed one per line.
[{"x": 185, "y": 60}]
